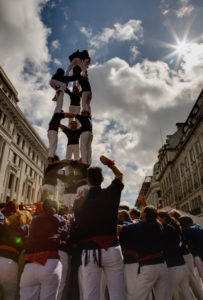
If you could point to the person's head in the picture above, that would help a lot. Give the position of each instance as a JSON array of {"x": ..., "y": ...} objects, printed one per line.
[
  {"x": 18, "y": 219},
  {"x": 149, "y": 214},
  {"x": 50, "y": 206},
  {"x": 163, "y": 216},
  {"x": 185, "y": 221},
  {"x": 123, "y": 215},
  {"x": 134, "y": 213},
  {"x": 60, "y": 71},
  {"x": 75, "y": 89},
  {"x": 175, "y": 214},
  {"x": 73, "y": 125},
  {"x": 95, "y": 176},
  {"x": 124, "y": 206},
  {"x": 10, "y": 208}
]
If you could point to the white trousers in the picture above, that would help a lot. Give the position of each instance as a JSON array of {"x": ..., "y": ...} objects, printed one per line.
[
  {"x": 8, "y": 277},
  {"x": 194, "y": 281},
  {"x": 62, "y": 87},
  {"x": 199, "y": 265},
  {"x": 53, "y": 142},
  {"x": 151, "y": 277},
  {"x": 65, "y": 261},
  {"x": 41, "y": 282},
  {"x": 130, "y": 277},
  {"x": 86, "y": 99},
  {"x": 112, "y": 266},
  {"x": 72, "y": 150},
  {"x": 178, "y": 280},
  {"x": 76, "y": 62},
  {"x": 86, "y": 147}
]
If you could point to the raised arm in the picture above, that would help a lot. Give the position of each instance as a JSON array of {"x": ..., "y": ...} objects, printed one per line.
[{"x": 106, "y": 161}]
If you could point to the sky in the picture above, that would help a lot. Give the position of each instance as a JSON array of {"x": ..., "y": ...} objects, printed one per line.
[{"x": 146, "y": 70}]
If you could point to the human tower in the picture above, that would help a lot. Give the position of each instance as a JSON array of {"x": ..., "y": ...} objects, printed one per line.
[{"x": 79, "y": 129}]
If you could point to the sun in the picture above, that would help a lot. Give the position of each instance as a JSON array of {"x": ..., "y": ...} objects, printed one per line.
[{"x": 182, "y": 48}]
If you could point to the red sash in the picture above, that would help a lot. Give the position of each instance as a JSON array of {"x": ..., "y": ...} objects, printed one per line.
[
  {"x": 41, "y": 257},
  {"x": 151, "y": 256},
  {"x": 9, "y": 248},
  {"x": 103, "y": 241},
  {"x": 132, "y": 253}
]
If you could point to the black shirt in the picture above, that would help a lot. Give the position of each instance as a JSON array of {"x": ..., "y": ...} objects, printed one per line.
[
  {"x": 64, "y": 79},
  {"x": 50, "y": 173},
  {"x": 85, "y": 122},
  {"x": 72, "y": 135},
  {"x": 84, "y": 83},
  {"x": 74, "y": 97},
  {"x": 55, "y": 121},
  {"x": 98, "y": 213}
]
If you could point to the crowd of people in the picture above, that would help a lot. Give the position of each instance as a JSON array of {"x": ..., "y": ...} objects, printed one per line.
[{"x": 101, "y": 250}]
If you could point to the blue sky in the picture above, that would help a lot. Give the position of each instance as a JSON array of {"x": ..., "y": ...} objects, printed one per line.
[{"x": 146, "y": 70}]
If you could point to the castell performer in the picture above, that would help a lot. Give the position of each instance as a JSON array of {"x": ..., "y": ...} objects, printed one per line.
[
  {"x": 97, "y": 228},
  {"x": 59, "y": 83},
  {"x": 81, "y": 59},
  {"x": 53, "y": 134}
]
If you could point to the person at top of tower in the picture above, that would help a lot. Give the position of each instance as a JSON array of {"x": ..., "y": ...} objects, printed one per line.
[
  {"x": 82, "y": 59},
  {"x": 75, "y": 97}
]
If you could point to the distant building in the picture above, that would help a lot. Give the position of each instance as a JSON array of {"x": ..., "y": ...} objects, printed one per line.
[
  {"x": 181, "y": 164},
  {"x": 141, "y": 199},
  {"x": 153, "y": 196},
  {"x": 23, "y": 155}
]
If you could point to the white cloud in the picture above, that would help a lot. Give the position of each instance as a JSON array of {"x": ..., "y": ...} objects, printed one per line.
[
  {"x": 57, "y": 61},
  {"x": 184, "y": 11},
  {"x": 55, "y": 44},
  {"x": 134, "y": 52},
  {"x": 131, "y": 30}
]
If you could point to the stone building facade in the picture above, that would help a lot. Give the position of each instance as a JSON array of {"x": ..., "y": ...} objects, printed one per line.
[
  {"x": 181, "y": 164},
  {"x": 23, "y": 155}
]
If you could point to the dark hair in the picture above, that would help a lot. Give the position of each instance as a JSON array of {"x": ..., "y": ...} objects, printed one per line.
[
  {"x": 186, "y": 221},
  {"x": 124, "y": 207},
  {"x": 151, "y": 216},
  {"x": 175, "y": 214},
  {"x": 135, "y": 211},
  {"x": 125, "y": 214},
  {"x": 95, "y": 176},
  {"x": 60, "y": 71},
  {"x": 170, "y": 220}
]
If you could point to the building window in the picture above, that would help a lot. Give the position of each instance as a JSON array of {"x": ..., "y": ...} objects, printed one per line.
[
  {"x": 16, "y": 185},
  {"x": 201, "y": 174},
  {"x": 29, "y": 150},
  {"x": 37, "y": 159},
  {"x": 190, "y": 184},
  {"x": 10, "y": 182},
  {"x": 30, "y": 172},
  {"x": 28, "y": 192},
  {"x": 196, "y": 180},
  {"x": 4, "y": 119},
  {"x": 18, "y": 139},
  {"x": 26, "y": 169},
  {"x": 186, "y": 162},
  {"x": 23, "y": 189},
  {"x": 177, "y": 174},
  {"x": 14, "y": 158},
  {"x": 198, "y": 148},
  {"x": 182, "y": 168},
  {"x": 192, "y": 156},
  {"x": 19, "y": 162},
  {"x": 23, "y": 144},
  {"x": 33, "y": 155}
]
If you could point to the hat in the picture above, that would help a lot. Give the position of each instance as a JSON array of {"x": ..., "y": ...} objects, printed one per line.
[{"x": 50, "y": 206}]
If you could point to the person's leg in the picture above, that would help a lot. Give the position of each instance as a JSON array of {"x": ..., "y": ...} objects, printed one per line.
[
  {"x": 112, "y": 262},
  {"x": 69, "y": 151},
  {"x": 53, "y": 142},
  {"x": 76, "y": 153},
  {"x": 86, "y": 98},
  {"x": 8, "y": 278},
  {"x": 184, "y": 289},
  {"x": 83, "y": 146},
  {"x": 161, "y": 286},
  {"x": 91, "y": 277},
  {"x": 89, "y": 148},
  {"x": 194, "y": 280},
  {"x": 57, "y": 85},
  {"x": 29, "y": 283},
  {"x": 50, "y": 279},
  {"x": 199, "y": 265},
  {"x": 59, "y": 103},
  {"x": 65, "y": 261},
  {"x": 130, "y": 275}
]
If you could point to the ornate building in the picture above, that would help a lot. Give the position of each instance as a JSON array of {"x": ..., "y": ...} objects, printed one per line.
[
  {"x": 181, "y": 164},
  {"x": 23, "y": 155}
]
